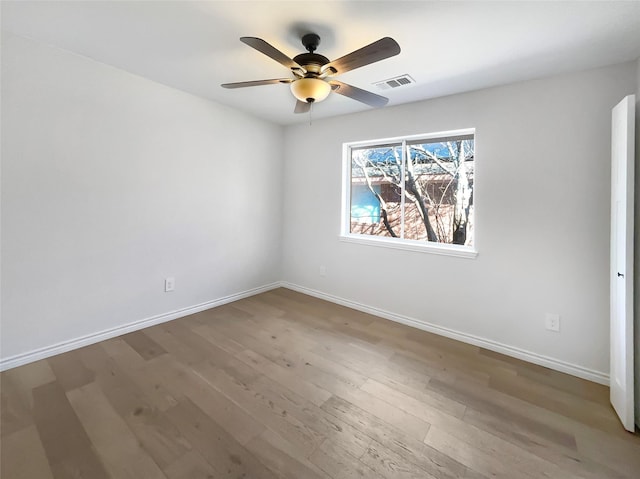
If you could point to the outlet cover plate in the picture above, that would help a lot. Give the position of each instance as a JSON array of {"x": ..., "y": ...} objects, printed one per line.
[{"x": 552, "y": 322}]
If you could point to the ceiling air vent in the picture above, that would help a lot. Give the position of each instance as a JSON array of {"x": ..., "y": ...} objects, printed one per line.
[{"x": 396, "y": 82}]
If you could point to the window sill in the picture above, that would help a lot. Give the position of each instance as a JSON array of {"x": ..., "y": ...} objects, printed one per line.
[{"x": 409, "y": 245}]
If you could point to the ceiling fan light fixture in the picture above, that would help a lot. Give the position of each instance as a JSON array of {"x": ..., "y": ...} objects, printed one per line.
[{"x": 310, "y": 90}]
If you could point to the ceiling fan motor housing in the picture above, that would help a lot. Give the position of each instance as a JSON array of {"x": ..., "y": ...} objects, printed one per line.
[{"x": 312, "y": 62}]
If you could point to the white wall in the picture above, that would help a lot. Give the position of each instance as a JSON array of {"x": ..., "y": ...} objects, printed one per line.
[
  {"x": 110, "y": 183},
  {"x": 543, "y": 172}
]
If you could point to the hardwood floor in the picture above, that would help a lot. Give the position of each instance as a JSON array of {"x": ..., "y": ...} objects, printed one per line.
[{"x": 282, "y": 385}]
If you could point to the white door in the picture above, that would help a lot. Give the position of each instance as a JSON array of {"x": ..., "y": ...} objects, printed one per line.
[{"x": 622, "y": 162}]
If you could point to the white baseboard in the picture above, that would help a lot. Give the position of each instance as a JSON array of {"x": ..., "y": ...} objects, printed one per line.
[
  {"x": 551, "y": 363},
  {"x": 63, "y": 347}
]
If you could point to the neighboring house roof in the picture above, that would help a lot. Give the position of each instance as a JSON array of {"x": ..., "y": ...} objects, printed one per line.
[{"x": 378, "y": 172}]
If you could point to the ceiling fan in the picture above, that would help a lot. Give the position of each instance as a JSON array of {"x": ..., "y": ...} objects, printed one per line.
[{"x": 312, "y": 73}]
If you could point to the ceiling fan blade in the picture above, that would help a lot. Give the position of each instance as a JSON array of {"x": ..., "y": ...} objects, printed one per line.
[
  {"x": 384, "y": 48},
  {"x": 302, "y": 107},
  {"x": 243, "y": 84},
  {"x": 358, "y": 94},
  {"x": 272, "y": 52}
]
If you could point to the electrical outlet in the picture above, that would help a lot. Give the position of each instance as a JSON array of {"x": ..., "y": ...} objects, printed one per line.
[
  {"x": 169, "y": 284},
  {"x": 552, "y": 322},
  {"x": 323, "y": 270}
]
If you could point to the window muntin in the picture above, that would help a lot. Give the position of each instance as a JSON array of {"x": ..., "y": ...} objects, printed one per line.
[{"x": 417, "y": 190}]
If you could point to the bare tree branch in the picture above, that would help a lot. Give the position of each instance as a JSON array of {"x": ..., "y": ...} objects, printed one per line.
[
  {"x": 383, "y": 204},
  {"x": 435, "y": 158},
  {"x": 414, "y": 188}
]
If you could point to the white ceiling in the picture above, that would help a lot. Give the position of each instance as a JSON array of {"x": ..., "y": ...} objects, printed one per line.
[{"x": 447, "y": 47}]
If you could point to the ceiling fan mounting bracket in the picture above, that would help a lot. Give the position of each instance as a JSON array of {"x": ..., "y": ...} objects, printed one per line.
[{"x": 311, "y": 42}]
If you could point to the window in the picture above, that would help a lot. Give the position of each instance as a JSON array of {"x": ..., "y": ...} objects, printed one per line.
[{"x": 415, "y": 192}]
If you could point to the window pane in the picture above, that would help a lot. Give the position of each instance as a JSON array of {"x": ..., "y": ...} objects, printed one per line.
[
  {"x": 439, "y": 191},
  {"x": 376, "y": 190}
]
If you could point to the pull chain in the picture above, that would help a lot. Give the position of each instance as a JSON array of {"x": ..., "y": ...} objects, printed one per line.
[{"x": 310, "y": 110}]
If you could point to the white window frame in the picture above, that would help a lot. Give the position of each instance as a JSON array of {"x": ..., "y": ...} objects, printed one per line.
[{"x": 398, "y": 243}]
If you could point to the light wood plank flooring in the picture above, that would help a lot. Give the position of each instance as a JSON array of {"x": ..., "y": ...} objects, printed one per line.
[{"x": 282, "y": 385}]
